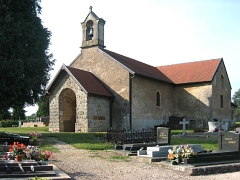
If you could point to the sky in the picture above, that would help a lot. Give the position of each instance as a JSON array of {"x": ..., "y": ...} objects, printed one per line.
[{"x": 156, "y": 32}]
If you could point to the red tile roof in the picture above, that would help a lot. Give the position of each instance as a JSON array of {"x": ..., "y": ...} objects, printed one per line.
[
  {"x": 89, "y": 82},
  {"x": 192, "y": 72},
  {"x": 138, "y": 67}
]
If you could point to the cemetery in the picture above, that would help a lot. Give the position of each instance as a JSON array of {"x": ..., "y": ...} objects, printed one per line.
[
  {"x": 149, "y": 145},
  {"x": 190, "y": 158},
  {"x": 22, "y": 158}
]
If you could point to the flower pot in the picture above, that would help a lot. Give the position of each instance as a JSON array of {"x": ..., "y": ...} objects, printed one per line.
[
  {"x": 18, "y": 158},
  {"x": 44, "y": 162}
]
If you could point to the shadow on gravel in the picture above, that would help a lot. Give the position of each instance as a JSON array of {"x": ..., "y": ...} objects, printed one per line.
[{"x": 79, "y": 174}]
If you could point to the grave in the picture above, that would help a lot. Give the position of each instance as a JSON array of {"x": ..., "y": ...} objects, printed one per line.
[
  {"x": 229, "y": 141},
  {"x": 217, "y": 125},
  {"x": 29, "y": 169},
  {"x": 184, "y": 123},
  {"x": 160, "y": 152},
  {"x": 225, "y": 159},
  {"x": 212, "y": 126},
  {"x": 163, "y": 138},
  {"x": 9, "y": 138},
  {"x": 163, "y": 135}
]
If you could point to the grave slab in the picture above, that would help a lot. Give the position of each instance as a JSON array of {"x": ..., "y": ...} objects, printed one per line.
[
  {"x": 8, "y": 138},
  {"x": 162, "y": 151},
  {"x": 10, "y": 169}
]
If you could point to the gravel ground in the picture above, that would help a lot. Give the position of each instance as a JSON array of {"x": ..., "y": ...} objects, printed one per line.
[{"x": 99, "y": 165}]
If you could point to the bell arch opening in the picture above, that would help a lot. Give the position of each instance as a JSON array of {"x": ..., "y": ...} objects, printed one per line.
[{"x": 67, "y": 111}]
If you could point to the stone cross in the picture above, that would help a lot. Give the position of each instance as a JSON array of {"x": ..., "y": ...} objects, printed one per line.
[
  {"x": 184, "y": 123},
  {"x": 90, "y": 8},
  {"x": 221, "y": 138}
]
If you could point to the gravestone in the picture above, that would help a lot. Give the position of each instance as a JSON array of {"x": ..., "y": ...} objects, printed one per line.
[
  {"x": 229, "y": 141},
  {"x": 212, "y": 126},
  {"x": 184, "y": 123},
  {"x": 163, "y": 135},
  {"x": 9, "y": 138}
]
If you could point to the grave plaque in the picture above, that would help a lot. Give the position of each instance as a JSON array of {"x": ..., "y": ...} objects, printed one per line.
[
  {"x": 229, "y": 141},
  {"x": 163, "y": 135}
]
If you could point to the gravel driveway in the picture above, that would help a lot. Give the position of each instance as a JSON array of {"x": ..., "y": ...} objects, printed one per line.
[{"x": 106, "y": 165}]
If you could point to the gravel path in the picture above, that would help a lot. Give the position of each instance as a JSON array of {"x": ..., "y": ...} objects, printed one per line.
[{"x": 100, "y": 165}]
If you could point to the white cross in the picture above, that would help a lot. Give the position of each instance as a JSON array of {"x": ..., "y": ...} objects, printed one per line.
[{"x": 184, "y": 123}]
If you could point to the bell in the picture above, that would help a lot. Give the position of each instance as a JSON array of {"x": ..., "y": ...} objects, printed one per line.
[{"x": 91, "y": 32}]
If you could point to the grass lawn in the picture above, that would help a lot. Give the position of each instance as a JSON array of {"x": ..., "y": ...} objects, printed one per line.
[{"x": 96, "y": 141}]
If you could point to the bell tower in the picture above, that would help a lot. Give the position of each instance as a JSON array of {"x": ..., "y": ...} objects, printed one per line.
[{"x": 92, "y": 30}]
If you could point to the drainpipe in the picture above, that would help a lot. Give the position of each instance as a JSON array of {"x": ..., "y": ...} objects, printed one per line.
[
  {"x": 130, "y": 99},
  {"x": 110, "y": 113}
]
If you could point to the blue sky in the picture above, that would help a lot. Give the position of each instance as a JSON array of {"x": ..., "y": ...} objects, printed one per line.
[{"x": 156, "y": 32}]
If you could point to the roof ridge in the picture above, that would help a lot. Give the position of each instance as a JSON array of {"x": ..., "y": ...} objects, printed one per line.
[{"x": 191, "y": 62}]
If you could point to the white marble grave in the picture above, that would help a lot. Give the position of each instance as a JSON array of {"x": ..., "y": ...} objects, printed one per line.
[
  {"x": 162, "y": 151},
  {"x": 212, "y": 126}
]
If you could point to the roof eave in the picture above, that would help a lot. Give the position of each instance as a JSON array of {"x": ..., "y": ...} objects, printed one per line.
[{"x": 79, "y": 84}]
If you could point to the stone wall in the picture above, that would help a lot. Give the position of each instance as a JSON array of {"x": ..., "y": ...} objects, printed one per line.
[
  {"x": 65, "y": 83},
  {"x": 98, "y": 114},
  {"x": 221, "y": 86},
  {"x": 113, "y": 75},
  {"x": 193, "y": 101},
  {"x": 145, "y": 113}
]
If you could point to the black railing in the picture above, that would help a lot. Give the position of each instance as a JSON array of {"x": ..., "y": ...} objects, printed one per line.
[{"x": 133, "y": 136}]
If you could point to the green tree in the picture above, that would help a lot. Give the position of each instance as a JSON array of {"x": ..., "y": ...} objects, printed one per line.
[
  {"x": 5, "y": 114},
  {"x": 236, "y": 100},
  {"x": 25, "y": 60},
  {"x": 17, "y": 113},
  {"x": 43, "y": 107}
]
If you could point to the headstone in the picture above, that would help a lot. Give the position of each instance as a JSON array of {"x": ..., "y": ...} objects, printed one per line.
[
  {"x": 225, "y": 127},
  {"x": 212, "y": 126},
  {"x": 238, "y": 130},
  {"x": 163, "y": 135},
  {"x": 229, "y": 141},
  {"x": 184, "y": 123}
]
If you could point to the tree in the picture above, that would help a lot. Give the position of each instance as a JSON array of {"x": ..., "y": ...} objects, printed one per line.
[
  {"x": 236, "y": 100},
  {"x": 43, "y": 107},
  {"x": 25, "y": 60},
  {"x": 5, "y": 114},
  {"x": 17, "y": 113}
]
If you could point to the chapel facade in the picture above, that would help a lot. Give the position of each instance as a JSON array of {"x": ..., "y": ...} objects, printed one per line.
[{"x": 101, "y": 89}]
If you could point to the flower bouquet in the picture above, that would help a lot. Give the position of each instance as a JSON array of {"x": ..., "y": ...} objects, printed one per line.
[
  {"x": 32, "y": 152},
  {"x": 35, "y": 137},
  {"x": 178, "y": 153},
  {"x": 46, "y": 155},
  {"x": 17, "y": 150}
]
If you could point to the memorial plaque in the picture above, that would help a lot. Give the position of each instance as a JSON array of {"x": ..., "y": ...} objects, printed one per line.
[
  {"x": 228, "y": 141},
  {"x": 163, "y": 135}
]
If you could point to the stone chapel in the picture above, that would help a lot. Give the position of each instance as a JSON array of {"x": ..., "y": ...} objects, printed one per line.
[{"x": 101, "y": 89}]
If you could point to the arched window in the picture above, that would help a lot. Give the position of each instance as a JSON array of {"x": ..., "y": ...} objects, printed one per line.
[
  {"x": 221, "y": 101},
  {"x": 89, "y": 31},
  {"x": 158, "y": 99}
]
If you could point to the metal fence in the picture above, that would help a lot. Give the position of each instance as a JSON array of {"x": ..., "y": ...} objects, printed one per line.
[{"x": 133, "y": 136}]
